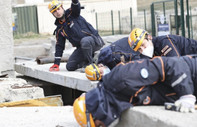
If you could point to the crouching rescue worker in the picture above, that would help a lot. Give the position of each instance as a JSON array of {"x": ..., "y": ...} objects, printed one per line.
[
  {"x": 73, "y": 27},
  {"x": 167, "y": 45},
  {"x": 118, "y": 51},
  {"x": 144, "y": 82}
]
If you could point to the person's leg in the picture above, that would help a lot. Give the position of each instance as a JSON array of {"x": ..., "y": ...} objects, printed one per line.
[
  {"x": 89, "y": 46},
  {"x": 76, "y": 60}
]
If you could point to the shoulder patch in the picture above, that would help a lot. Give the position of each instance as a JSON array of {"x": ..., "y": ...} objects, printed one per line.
[
  {"x": 144, "y": 73},
  {"x": 164, "y": 49}
]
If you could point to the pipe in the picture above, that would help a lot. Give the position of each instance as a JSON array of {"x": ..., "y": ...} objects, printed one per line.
[{"x": 46, "y": 60}]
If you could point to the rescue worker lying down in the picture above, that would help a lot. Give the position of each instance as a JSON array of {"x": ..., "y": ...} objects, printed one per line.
[
  {"x": 168, "y": 45},
  {"x": 143, "y": 82}
]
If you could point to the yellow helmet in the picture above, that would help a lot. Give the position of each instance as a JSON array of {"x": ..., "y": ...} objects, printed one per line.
[
  {"x": 92, "y": 72},
  {"x": 83, "y": 117},
  {"x": 54, "y": 5},
  {"x": 136, "y": 38}
]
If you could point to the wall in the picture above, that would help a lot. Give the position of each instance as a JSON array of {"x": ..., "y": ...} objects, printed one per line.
[
  {"x": 46, "y": 20},
  {"x": 6, "y": 38}
]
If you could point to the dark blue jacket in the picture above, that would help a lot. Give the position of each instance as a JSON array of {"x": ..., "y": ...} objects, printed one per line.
[
  {"x": 173, "y": 45},
  {"x": 142, "y": 82},
  {"x": 74, "y": 29},
  {"x": 111, "y": 55}
]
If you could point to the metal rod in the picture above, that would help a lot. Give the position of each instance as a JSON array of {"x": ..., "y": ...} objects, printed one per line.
[
  {"x": 145, "y": 19},
  {"x": 112, "y": 22},
  {"x": 119, "y": 23},
  {"x": 182, "y": 18},
  {"x": 131, "y": 19},
  {"x": 188, "y": 18},
  {"x": 191, "y": 22},
  {"x": 176, "y": 17}
]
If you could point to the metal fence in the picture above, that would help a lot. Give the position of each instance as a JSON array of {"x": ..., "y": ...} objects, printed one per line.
[
  {"x": 122, "y": 21},
  {"x": 25, "y": 20},
  {"x": 114, "y": 22},
  {"x": 109, "y": 23}
]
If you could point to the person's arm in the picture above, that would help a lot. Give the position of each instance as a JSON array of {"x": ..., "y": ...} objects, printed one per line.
[
  {"x": 178, "y": 76},
  {"x": 76, "y": 8},
  {"x": 59, "y": 48}
]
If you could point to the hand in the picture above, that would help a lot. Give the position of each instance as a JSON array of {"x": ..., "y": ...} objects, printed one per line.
[
  {"x": 186, "y": 103},
  {"x": 55, "y": 67}
]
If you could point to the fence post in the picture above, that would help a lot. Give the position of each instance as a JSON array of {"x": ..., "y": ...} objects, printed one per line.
[
  {"x": 96, "y": 20},
  {"x": 191, "y": 21},
  {"x": 164, "y": 9},
  {"x": 153, "y": 19},
  {"x": 112, "y": 22},
  {"x": 182, "y": 18},
  {"x": 176, "y": 17},
  {"x": 119, "y": 23},
  {"x": 131, "y": 19},
  {"x": 188, "y": 18},
  {"x": 145, "y": 19}
]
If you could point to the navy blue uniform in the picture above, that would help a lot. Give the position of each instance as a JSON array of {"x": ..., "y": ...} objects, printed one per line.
[
  {"x": 111, "y": 55},
  {"x": 143, "y": 82},
  {"x": 80, "y": 34},
  {"x": 173, "y": 45}
]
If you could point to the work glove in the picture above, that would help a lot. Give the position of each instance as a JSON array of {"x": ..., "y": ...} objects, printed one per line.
[
  {"x": 186, "y": 103},
  {"x": 55, "y": 67}
]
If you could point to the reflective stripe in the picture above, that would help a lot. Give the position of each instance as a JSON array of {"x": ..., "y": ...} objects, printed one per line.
[
  {"x": 91, "y": 76},
  {"x": 75, "y": 3},
  {"x": 180, "y": 79},
  {"x": 58, "y": 57}
]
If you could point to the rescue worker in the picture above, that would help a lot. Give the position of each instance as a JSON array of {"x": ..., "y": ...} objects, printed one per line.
[
  {"x": 142, "y": 82},
  {"x": 73, "y": 27},
  {"x": 167, "y": 45},
  {"x": 118, "y": 51}
]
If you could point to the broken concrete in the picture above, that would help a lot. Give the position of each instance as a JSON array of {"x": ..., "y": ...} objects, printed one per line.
[{"x": 15, "y": 89}]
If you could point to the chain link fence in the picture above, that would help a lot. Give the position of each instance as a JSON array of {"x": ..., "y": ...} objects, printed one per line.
[{"x": 123, "y": 21}]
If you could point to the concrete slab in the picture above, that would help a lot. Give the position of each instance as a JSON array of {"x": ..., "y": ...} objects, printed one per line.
[
  {"x": 74, "y": 80},
  {"x": 139, "y": 116},
  {"x": 156, "y": 116}
]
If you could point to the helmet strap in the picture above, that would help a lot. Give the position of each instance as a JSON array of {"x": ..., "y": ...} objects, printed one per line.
[
  {"x": 138, "y": 39},
  {"x": 97, "y": 74}
]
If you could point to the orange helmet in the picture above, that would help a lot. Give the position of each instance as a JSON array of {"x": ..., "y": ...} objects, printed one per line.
[
  {"x": 136, "y": 38},
  {"x": 83, "y": 117},
  {"x": 54, "y": 5},
  {"x": 92, "y": 72}
]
